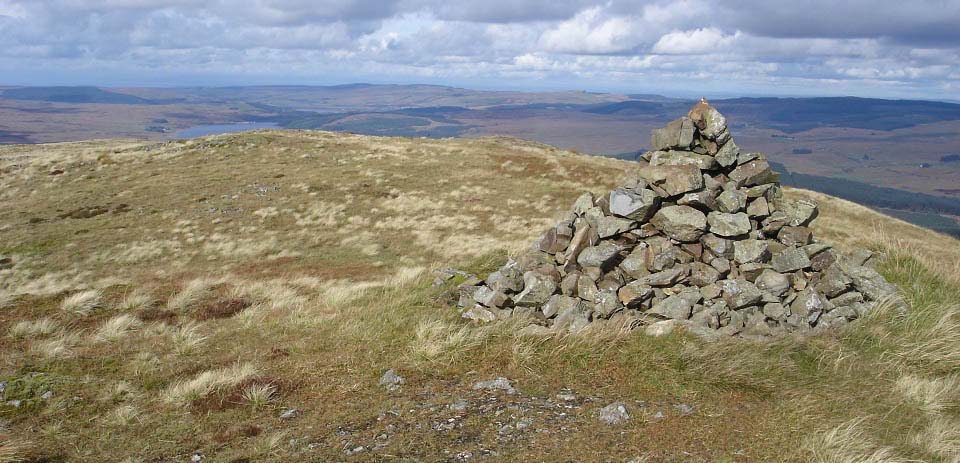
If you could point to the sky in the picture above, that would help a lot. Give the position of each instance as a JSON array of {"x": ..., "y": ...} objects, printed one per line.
[{"x": 872, "y": 48}]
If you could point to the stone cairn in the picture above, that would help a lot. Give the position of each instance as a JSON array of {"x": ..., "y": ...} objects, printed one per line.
[{"x": 701, "y": 237}]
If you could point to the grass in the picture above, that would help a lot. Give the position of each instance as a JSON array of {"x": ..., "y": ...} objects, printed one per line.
[{"x": 265, "y": 271}]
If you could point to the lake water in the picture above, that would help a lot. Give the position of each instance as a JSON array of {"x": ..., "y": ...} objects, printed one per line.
[{"x": 204, "y": 130}]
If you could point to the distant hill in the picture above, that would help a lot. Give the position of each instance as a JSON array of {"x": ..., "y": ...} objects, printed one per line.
[{"x": 72, "y": 95}]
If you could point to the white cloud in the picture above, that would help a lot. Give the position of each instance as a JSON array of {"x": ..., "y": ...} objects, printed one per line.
[{"x": 695, "y": 42}]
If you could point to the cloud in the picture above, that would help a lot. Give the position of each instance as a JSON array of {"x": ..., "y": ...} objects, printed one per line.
[{"x": 886, "y": 47}]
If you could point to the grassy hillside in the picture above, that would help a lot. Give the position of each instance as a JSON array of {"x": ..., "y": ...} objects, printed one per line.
[{"x": 171, "y": 300}]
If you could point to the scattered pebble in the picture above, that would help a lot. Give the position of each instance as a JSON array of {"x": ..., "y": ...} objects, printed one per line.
[
  {"x": 391, "y": 380},
  {"x": 196, "y": 457},
  {"x": 47, "y": 395},
  {"x": 289, "y": 413},
  {"x": 614, "y": 413},
  {"x": 501, "y": 384},
  {"x": 15, "y": 403},
  {"x": 459, "y": 405},
  {"x": 684, "y": 409}
]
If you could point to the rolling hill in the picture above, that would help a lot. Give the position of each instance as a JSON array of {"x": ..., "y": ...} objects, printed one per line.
[{"x": 240, "y": 297}]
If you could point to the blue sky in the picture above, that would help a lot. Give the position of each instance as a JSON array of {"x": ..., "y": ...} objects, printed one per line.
[{"x": 901, "y": 49}]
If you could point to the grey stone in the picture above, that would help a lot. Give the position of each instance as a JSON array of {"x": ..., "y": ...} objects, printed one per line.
[
  {"x": 702, "y": 274},
  {"x": 799, "y": 213},
  {"x": 751, "y": 251},
  {"x": 869, "y": 282},
  {"x": 491, "y": 298},
  {"x": 731, "y": 201},
  {"x": 498, "y": 384},
  {"x": 755, "y": 172},
  {"x": 774, "y": 222},
  {"x": 599, "y": 255},
  {"x": 587, "y": 289},
  {"x": 677, "y": 158},
  {"x": 607, "y": 304},
  {"x": 720, "y": 247},
  {"x": 847, "y": 298},
  {"x": 721, "y": 265},
  {"x": 708, "y": 120},
  {"x": 728, "y": 225},
  {"x": 677, "y": 307},
  {"x": 682, "y": 223},
  {"x": 634, "y": 293},
  {"x": 667, "y": 277},
  {"x": 391, "y": 380},
  {"x": 568, "y": 285},
  {"x": 583, "y": 204},
  {"x": 702, "y": 198},
  {"x": 610, "y": 226},
  {"x": 289, "y": 414},
  {"x": 614, "y": 413},
  {"x": 727, "y": 155},
  {"x": 508, "y": 278},
  {"x": 809, "y": 304},
  {"x": 574, "y": 318},
  {"x": 537, "y": 289},
  {"x": 634, "y": 205},
  {"x": 740, "y": 293},
  {"x": 795, "y": 236},
  {"x": 634, "y": 265},
  {"x": 758, "y": 208},
  {"x": 677, "y": 134},
  {"x": 558, "y": 303},
  {"x": 672, "y": 180},
  {"x": 833, "y": 282},
  {"x": 775, "y": 311},
  {"x": 479, "y": 314},
  {"x": 790, "y": 260},
  {"x": 773, "y": 282}
]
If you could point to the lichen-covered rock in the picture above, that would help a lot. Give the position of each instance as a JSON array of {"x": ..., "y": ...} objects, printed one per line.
[
  {"x": 790, "y": 260},
  {"x": 633, "y": 205},
  {"x": 728, "y": 225},
  {"x": 682, "y": 223},
  {"x": 669, "y": 181}
]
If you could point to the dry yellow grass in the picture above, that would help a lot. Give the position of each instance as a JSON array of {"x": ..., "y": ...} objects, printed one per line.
[{"x": 321, "y": 245}]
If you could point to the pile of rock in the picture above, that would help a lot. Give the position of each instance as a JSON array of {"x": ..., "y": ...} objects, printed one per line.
[{"x": 700, "y": 237}]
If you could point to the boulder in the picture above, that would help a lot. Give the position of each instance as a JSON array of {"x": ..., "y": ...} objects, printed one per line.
[
  {"x": 728, "y": 225},
  {"x": 600, "y": 255},
  {"x": 740, "y": 293},
  {"x": 746, "y": 251},
  {"x": 755, "y": 172},
  {"x": 790, "y": 260},
  {"x": 682, "y": 223},
  {"x": 634, "y": 205},
  {"x": 670, "y": 181},
  {"x": 537, "y": 289},
  {"x": 677, "y": 134}
]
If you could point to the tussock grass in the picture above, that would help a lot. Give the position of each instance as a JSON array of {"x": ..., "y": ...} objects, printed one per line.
[
  {"x": 258, "y": 395},
  {"x": 191, "y": 293},
  {"x": 117, "y": 328},
  {"x": 848, "y": 443},
  {"x": 34, "y": 328},
  {"x": 58, "y": 347},
  {"x": 187, "y": 338},
  {"x": 941, "y": 437},
  {"x": 208, "y": 382},
  {"x": 83, "y": 302},
  {"x": 13, "y": 449},
  {"x": 135, "y": 300}
]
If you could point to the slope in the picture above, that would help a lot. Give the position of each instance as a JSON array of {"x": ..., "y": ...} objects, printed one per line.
[{"x": 239, "y": 297}]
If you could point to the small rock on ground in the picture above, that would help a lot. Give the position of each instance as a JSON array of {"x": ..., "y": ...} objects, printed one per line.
[
  {"x": 614, "y": 413},
  {"x": 501, "y": 384}
]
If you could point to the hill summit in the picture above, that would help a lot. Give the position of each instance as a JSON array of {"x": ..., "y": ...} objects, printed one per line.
[{"x": 699, "y": 236}]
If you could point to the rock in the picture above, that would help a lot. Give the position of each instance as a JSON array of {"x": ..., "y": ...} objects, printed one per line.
[
  {"x": 600, "y": 255},
  {"x": 678, "y": 158},
  {"x": 498, "y": 384},
  {"x": 833, "y": 282},
  {"x": 747, "y": 251},
  {"x": 808, "y": 304},
  {"x": 537, "y": 289},
  {"x": 677, "y": 307},
  {"x": 583, "y": 204},
  {"x": 682, "y": 223},
  {"x": 559, "y": 303},
  {"x": 795, "y": 236},
  {"x": 727, "y": 155},
  {"x": 758, "y": 208},
  {"x": 611, "y": 226},
  {"x": 869, "y": 282},
  {"x": 634, "y": 293},
  {"x": 740, "y": 293},
  {"x": 634, "y": 205},
  {"x": 731, "y": 201},
  {"x": 290, "y": 413},
  {"x": 574, "y": 318},
  {"x": 614, "y": 413},
  {"x": 491, "y": 298},
  {"x": 728, "y": 225},
  {"x": 662, "y": 328},
  {"x": 667, "y": 277},
  {"x": 790, "y": 260},
  {"x": 702, "y": 274},
  {"x": 587, "y": 289},
  {"x": 508, "y": 279},
  {"x": 677, "y": 134},
  {"x": 479, "y": 314},
  {"x": 391, "y": 380},
  {"x": 775, "y": 311},
  {"x": 755, "y": 172},
  {"x": 773, "y": 282},
  {"x": 671, "y": 181},
  {"x": 799, "y": 213},
  {"x": 607, "y": 304},
  {"x": 708, "y": 120}
]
